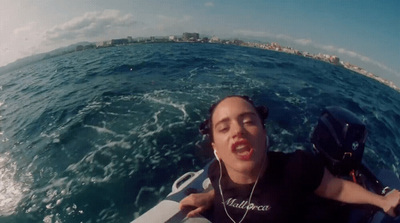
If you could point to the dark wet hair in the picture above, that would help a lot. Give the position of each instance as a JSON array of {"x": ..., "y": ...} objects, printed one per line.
[{"x": 206, "y": 126}]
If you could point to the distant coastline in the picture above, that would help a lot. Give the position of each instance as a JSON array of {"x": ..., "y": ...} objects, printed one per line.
[{"x": 195, "y": 38}]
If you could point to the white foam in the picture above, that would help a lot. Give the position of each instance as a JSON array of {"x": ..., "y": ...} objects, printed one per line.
[
  {"x": 11, "y": 191},
  {"x": 150, "y": 133},
  {"x": 146, "y": 125},
  {"x": 102, "y": 130},
  {"x": 396, "y": 163},
  {"x": 1, "y": 104},
  {"x": 54, "y": 136},
  {"x": 122, "y": 144},
  {"x": 52, "y": 218},
  {"x": 47, "y": 219},
  {"x": 193, "y": 73},
  {"x": 286, "y": 132},
  {"x": 166, "y": 101}
]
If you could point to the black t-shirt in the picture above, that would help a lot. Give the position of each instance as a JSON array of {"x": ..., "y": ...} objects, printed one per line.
[{"x": 279, "y": 193}]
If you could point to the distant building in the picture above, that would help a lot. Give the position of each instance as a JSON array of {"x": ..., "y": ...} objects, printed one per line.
[
  {"x": 103, "y": 44},
  {"x": 276, "y": 46},
  {"x": 115, "y": 42},
  {"x": 237, "y": 42},
  {"x": 173, "y": 38},
  {"x": 334, "y": 60},
  {"x": 162, "y": 39},
  {"x": 205, "y": 40},
  {"x": 190, "y": 36},
  {"x": 140, "y": 40},
  {"x": 214, "y": 39}
]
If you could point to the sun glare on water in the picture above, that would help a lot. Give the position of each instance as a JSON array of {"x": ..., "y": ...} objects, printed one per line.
[{"x": 11, "y": 191}]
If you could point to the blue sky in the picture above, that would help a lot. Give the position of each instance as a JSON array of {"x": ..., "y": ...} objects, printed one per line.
[{"x": 365, "y": 33}]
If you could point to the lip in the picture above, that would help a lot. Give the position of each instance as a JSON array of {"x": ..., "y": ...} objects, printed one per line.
[{"x": 247, "y": 156}]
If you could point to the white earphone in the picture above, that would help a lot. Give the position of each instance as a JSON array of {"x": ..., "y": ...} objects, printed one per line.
[{"x": 215, "y": 154}]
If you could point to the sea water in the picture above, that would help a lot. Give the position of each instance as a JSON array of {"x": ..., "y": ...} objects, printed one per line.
[{"x": 101, "y": 135}]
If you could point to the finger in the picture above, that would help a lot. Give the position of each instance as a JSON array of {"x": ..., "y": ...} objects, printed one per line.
[
  {"x": 186, "y": 202},
  {"x": 184, "y": 205},
  {"x": 195, "y": 212}
]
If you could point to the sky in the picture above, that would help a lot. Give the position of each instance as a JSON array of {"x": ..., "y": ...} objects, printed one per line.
[{"x": 363, "y": 32}]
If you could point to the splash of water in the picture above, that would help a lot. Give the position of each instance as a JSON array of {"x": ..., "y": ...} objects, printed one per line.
[{"x": 11, "y": 190}]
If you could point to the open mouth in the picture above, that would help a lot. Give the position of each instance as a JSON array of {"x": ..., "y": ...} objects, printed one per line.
[{"x": 242, "y": 149}]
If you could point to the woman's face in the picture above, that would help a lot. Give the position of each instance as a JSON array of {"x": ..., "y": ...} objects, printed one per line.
[{"x": 239, "y": 136}]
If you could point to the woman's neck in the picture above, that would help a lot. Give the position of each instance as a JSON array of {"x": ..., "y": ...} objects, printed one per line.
[{"x": 248, "y": 177}]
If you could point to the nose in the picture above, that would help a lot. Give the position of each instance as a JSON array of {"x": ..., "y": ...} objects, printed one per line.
[{"x": 237, "y": 130}]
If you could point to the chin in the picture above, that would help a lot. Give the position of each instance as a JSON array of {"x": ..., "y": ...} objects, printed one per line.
[{"x": 246, "y": 166}]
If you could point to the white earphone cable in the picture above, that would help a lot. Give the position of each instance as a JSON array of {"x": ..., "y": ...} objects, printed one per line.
[{"x": 251, "y": 194}]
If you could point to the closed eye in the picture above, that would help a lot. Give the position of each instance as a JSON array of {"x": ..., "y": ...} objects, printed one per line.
[
  {"x": 223, "y": 129},
  {"x": 249, "y": 121}
]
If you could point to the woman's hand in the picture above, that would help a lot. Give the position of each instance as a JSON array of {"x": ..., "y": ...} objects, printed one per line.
[
  {"x": 199, "y": 202},
  {"x": 345, "y": 191},
  {"x": 391, "y": 200}
]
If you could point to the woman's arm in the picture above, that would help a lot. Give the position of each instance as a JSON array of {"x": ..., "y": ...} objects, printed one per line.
[
  {"x": 199, "y": 202},
  {"x": 345, "y": 191}
]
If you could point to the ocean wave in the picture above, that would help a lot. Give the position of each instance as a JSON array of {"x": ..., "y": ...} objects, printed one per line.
[{"x": 119, "y": 121}]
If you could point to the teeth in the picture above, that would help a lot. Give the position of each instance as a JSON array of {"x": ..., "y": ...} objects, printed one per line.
[
  {"x": 243, "y": 150},
  {"x": 239, "y": 148}
]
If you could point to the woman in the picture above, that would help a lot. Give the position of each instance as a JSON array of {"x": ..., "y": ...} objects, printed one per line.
[{"x": 253, "y": 185}]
